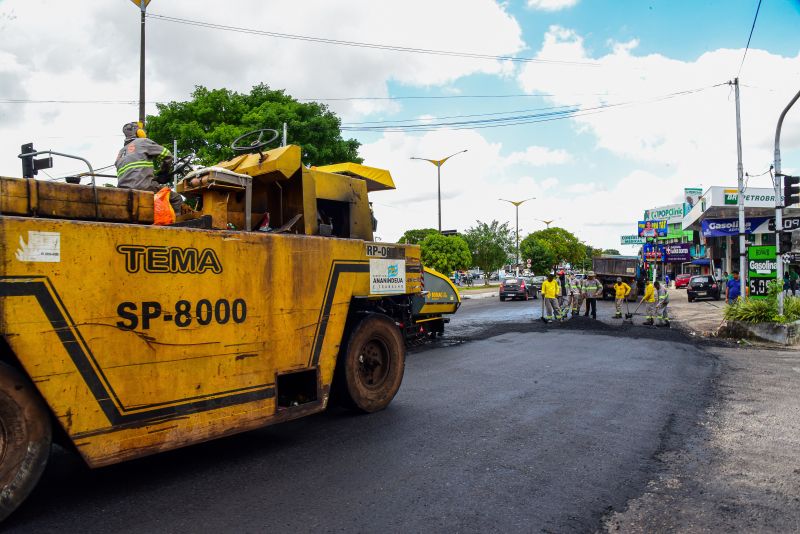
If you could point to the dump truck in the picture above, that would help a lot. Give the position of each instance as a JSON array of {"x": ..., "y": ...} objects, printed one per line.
[
  {"x": 121, "y": 339},
  {"x": 608, "y": 268}
]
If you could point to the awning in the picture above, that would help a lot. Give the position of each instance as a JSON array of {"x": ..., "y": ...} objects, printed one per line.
[
  {"x": 377, "y": 179},
  {"x": 701, "y": 261}
]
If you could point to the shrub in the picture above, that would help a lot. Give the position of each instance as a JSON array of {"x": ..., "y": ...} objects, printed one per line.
[{"x": 764, "y": 310}]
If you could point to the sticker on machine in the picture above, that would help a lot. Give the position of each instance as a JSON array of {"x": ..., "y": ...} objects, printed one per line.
[
  {"x": 387, "y": 277},
  {"x": 41, "y": 247}
]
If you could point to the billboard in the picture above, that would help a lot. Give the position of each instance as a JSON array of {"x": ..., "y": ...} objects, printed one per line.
[
  {"x": 692, "y": 196},
  {"x": 652, "y": 228},
  {"x": 730, "y": 227},
  {"x": 678, "y": 252}
]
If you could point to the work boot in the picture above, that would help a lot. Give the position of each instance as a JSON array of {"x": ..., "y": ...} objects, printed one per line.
[
  {"x": 617, "y": 316},
  {"x": 648, "y": 322},
  {"x": 545, "y": 321},
  {"x": 666, "y": 323}
]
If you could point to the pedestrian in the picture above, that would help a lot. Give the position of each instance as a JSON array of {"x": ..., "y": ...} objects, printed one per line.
[
  {"x": 666, "y": 280},
  {"x": 144, "y": 164},
  {"x": 793, "y": 281},
  {"x": 786, "y": 282},
  {"x": 649, "y": 300},
  {"x": 725, "y": 276},
  {"x": 562, "y": 295},
  {"x": 662, "y": 296},
  {"x": 592, "y": 290},
  {"x": 550, "y": 292},
  {"x": 732, "y": 289},
  {"x": 621, "y": 292}
]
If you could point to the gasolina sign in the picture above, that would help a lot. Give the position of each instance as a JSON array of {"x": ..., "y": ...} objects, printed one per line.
[{"x": 761, "y": 268}]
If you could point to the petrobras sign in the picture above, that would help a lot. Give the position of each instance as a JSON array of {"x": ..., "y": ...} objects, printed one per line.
[
  {"x": 672, "y": 213},
  {"x": 632, "y": 240},
  {"x": 754, "y": 197},
  {"x": 730, "y": 227}
]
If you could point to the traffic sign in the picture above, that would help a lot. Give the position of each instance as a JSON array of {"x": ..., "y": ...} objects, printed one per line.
[
  {"x": 138, "y": 3},
  {"x": 528, "y": 261}
]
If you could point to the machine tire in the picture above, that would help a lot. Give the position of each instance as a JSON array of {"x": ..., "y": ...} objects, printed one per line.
[
  {"x": 25, "y": 438},
  {"x": 372, "y": 364}
]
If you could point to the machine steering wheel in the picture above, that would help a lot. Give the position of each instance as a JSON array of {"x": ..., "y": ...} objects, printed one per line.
[
  {"x": 180, "y": 165},
  {"x": 259, "y": 142}
]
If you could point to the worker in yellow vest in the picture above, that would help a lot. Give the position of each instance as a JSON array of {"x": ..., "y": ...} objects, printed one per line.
[
  {"x": 550, "y": 292},
  {"x": 649, "y": 300},
  {"x": 621, "y": 291}
]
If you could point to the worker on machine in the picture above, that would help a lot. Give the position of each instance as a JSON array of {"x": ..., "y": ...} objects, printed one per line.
[
  {"x": 649, "y": 300},
  {"x": 662, "y": 303},
  {"x": 621, "y": 292},
  {"x": 550, "y": 293},
  {"x": 144, "y": 165}
]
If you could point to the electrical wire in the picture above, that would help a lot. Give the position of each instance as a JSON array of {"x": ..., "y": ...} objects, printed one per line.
[
  {"x": 418, "y": 119},
  {"x": 357, "y": 44},
  {"x": 746, "y": 48},
  {"x": 519, "y": 119}
]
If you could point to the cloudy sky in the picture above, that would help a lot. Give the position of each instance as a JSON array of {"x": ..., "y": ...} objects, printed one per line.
[{"x": 643, "y": 82}]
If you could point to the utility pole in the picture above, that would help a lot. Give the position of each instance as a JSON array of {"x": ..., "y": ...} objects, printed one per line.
[
  {"x": 142, "y": 5},
  {"x": 740, "y": 202},
  {"x": 779, "y": 199},
  {"x": 517, "y": 204},
  {"x": 439, "y": 163}
]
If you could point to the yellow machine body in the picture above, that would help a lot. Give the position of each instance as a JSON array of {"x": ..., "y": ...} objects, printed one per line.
[{"x": 143, "y": 338}]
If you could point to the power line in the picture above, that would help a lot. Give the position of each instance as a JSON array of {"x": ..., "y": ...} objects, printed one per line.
[
  {"x": 746, "y": 48},
  {"x": 514, "y": 120},
  {"x": 357, "y": 44},
  {"x": 419, "y": 119}
]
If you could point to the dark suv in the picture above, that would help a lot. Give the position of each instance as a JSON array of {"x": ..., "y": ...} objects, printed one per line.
[
  {"x": 703, "y": 286},
  {"x": 517, "y": 288}
]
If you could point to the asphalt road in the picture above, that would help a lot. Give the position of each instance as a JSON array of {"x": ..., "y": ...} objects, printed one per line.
[{"x": 505, "y": 424}]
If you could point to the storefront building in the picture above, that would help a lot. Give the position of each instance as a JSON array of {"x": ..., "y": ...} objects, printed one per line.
[{"x": 714, "y": 219}]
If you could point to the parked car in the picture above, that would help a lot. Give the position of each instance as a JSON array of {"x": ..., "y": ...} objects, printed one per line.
[
  {"x": 682, "y": 280},
  {"x": 536, "y": 282},
  {"x": 703, "y": 286},
  {"x": 517, "y": 288}
]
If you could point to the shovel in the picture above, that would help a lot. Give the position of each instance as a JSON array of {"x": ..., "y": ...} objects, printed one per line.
[{"x": 628, "y": 314}]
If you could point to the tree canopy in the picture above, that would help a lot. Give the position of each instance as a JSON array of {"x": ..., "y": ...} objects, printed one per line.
[
  {"x": 549, "y": 247},
  {"x": 445, "y": 253},
  {"x": 416, "y": 236},
  {"x": 213, "y": 118},
  {"x": 611, "y": 252},
  {"x": 490, "y": 244}
]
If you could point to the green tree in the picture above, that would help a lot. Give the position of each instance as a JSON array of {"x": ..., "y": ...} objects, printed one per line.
[
  {"x": 490, "y": 245},
  {"x": 611, "y": 252},
  {"x": 445, "y": 254},
  {"x": 541, "y": 254},
  {"x": 562, "y": 244},
  {"x": 213, "y": 118},
  {"x": 416, "y": 236}
]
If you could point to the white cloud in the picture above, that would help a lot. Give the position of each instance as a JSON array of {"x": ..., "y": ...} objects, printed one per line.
[
  {"x": 92, "y": 53},
  {"x": 551, "y": 5},
  {"x": 473, "y": 182},
  {"x": 538, "y": 156},
  {"x": 692, "y": 138}
]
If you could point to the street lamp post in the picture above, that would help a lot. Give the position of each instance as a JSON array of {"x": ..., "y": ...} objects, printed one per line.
[
  {"x": 547, "y": 222},
  {"x": 517, "y": 204},
  {"x": 439, "y": 163},
  {"x": 142, "y": 4}
]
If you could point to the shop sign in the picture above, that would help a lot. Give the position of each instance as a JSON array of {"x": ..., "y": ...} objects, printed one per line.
[
  {"x": 653, "y": 228},
  {"x": 678, "y": 252},
  {"x": 752, "y": 197},
  {"x": 673, "y": 213},
  {"x": 762, "y": 267},
  {"x": 632, "y": 240},
  {"x": 730, "y": 227}
]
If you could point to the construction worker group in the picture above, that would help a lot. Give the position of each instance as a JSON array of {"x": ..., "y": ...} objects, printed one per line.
[{"x": 563, "y": 296}]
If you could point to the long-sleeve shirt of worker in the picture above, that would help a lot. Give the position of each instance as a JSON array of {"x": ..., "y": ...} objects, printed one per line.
[
  {"x": 621, "y": 290},
  {"x": 592, "y": 289},
  {"x": 550, "y": 289},
  {"x": 650, "y": 293},
  {"x": 136, "y": 163}
]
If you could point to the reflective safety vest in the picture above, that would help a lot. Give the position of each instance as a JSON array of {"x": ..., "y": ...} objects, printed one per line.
[
  {"x": 592, "y": 288},
  {"x": 663, "y": 296}
]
